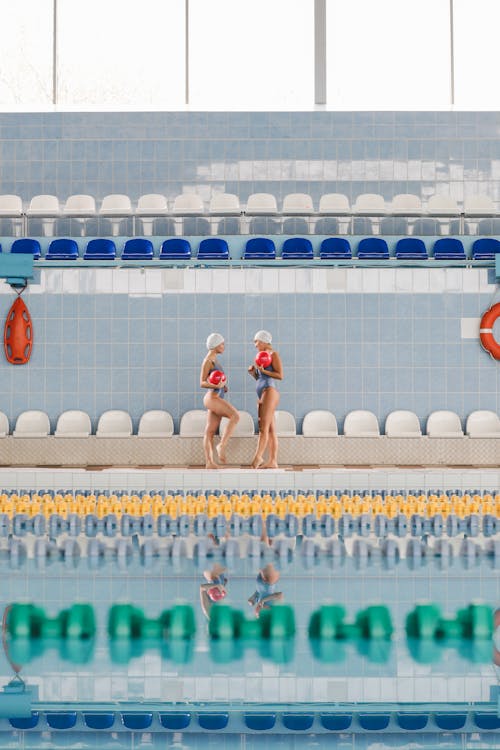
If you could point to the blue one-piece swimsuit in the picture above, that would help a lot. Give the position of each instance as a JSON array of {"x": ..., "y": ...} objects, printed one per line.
[
  {"x": 264, "y": 381},
  {"x": 219, "y": 391}
]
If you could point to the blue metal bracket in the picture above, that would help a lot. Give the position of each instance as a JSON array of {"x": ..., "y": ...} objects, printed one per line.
[
  {"x": 497, "y": 266},
  {"x": 16, "y": 698},
  {"x": 16, "y": 268}
]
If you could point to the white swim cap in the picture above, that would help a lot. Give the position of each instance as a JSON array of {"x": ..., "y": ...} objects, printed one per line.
[
  {"x": 214, "y": 340},
  {"x": 263, "y": 336}
]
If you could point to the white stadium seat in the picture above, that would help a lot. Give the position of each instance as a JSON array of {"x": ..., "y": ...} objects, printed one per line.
[
  {"x": 80, "y": 208},
  {"x": 361, "y": 423},
  {"x": 320, "y": 423},
  {"x": 297, "y": 204},
  {"x": 188, "y": 204},
  {"x": 149, "y": 208},
  {"x": 11, "y": 207},
  {"x": 48, "y": 209},
  {"x": 32, "y": 424},
  {"x": 402, "y": 424},
  {"x": 444, "y": 424},
  {"x": 443, "y": 207},
  {"x": 261, "y": 204},
  {"x": 193, "y": 423},
  {"x": 115, "y": 207},
  {"x": 114, "y": 424},
  {"x": 244, "y": 428},
  {"x": 156, "y": 424},
  {"x": 73, "y": 424},
  {"x": 4, "y": 425},
  {"x": 371, "y": 205},
  {"x": 285, "y": 424},
  {"x": 483, "y": 424}
]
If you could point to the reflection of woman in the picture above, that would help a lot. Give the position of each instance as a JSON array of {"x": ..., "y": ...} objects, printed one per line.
[
  {"x": 265, "y": 594},
  {"x": 215, "y": 404},
  {"x": 214, "y": 590},
  {"x": 267, "y": 400},
  {"x": 496, "y": 652}
]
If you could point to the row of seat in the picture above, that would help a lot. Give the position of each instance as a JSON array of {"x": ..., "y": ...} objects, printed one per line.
[
  {"x": 150, "y": 206},
  {"x": 262, "y": 248},
  {"x": 296, "y": 721},
  {"x": 318, "y": 423}
]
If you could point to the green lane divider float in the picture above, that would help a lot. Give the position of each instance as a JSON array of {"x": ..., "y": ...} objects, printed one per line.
[
  {"x": 131, "y": 633},
  {"x": 30, "y": 632},
  {"x": 271, "y": 634},
  {"x": 370, "y": 633},
  {"x": 470, "y": 632}
]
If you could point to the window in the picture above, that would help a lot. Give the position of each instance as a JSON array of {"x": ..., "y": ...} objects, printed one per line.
[
  {"x": 121, "y": 52},
  {"x": 388, "y": 53},
  {"x": 251, "y": 53},
  {"x": 26, "y": 53},
  {"x": 476, "y": 24}
]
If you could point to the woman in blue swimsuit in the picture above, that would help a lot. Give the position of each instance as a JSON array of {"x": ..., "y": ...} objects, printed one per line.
[
  {"x": 267, "y": 400},
  {"x": 215, "y": 404}
]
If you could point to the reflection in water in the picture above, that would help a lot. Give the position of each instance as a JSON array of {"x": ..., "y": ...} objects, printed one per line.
[
  {"x": 266, "y": 593},
  {"x": 215, "y": 588}
]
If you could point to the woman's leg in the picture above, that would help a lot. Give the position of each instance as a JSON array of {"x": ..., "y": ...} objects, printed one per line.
[
  {"x": 233, "y": 417},
  {"x": 267, "y": 407},
  {"x": 222, "y": 408},
  {"x": 272, "y": 462},
  {"x": 258, "y": 458},
  {"x": 213, "y": 422}
]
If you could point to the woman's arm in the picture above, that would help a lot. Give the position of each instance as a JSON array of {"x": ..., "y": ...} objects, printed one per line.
[
  {"x": 206, "y": 366},
  {"x": 277, "y": 372}
]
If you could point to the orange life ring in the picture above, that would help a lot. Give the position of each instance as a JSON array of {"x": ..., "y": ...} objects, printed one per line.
[{"x": 488, "y": 341}]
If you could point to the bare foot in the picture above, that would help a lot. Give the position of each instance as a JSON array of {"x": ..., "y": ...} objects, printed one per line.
[
  {"x": 211, "y": 465},
  {"x": 270, "y": 465},
  {"x": 257, "y": 462},
  {"x": 221, "y": 453}
]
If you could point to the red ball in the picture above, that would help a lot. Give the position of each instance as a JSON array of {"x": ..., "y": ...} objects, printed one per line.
[
  {"x": 263, "y": 359},
  {"x": 217, "y": 377}
]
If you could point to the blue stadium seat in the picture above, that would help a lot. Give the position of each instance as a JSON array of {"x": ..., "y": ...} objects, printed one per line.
[
  {"x": 100, "y": 249},
  {"x": 29, "y": 722},
  {"x": 450, "y": 722},
  {"x": 412, "y": 722},
  {"x": 411, "y": 248},
  {"x": 176, "y": 722},
  {"x": 138, "y": 249},
  {"x": 213, "y": 248},
  {"x": 298, "y": 722},
  {"x": 374, "y": 722},
  {"x": 297, "y": 247},
  {"x": 260, "y": 722},
  {"x": 485, "y": 721},
  {"x": 137, "y": 722},
  {"x": 27, "y": 245},
  {"x": 336, "y": 722},
  {"x": 213, "y": 721},
  {"x": 449, "y": 248},
  {"x": 63, "y": 720},
  {"x": 99, "y": 721},
  {"x": 62, "y": 250},
  {"x": 335, "y": 248},
  {"x": 260, "y": 248},
  {"x": 373, "y": 247},
  {"x": 485, "y": 248},
  {"x": 175, "y": 249}
]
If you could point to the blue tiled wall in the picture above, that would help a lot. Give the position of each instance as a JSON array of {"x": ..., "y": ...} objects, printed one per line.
[
  {"x": 342, "y": 351},
  {"x": 358, "y": 339},
  {"x": 246, "y": 152}
]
